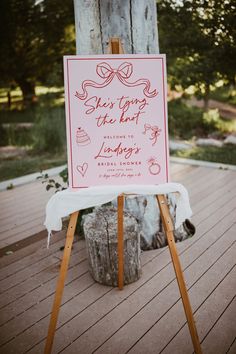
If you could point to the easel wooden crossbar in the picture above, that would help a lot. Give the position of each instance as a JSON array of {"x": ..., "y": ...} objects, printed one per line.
[{"x": 115, "y": 47}]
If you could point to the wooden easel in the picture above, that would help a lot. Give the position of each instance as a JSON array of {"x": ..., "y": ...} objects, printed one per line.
[{"x": 115, "y": 47}]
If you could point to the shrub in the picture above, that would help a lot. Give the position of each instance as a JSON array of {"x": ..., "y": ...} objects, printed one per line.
[
  {"x": 14, "y": 134},
  {"x": 3, "y": 136},
  {"x": 211, "y": 118},
  {"x": 186, "y": 122},
  {"x": 49, "y": 131},
  {"x": 26, "y": 115}
]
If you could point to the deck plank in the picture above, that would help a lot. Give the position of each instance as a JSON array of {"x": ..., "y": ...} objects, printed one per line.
[
  {"x": 207, "y": 313},
  {"x": 202, "y": 287},
  {"x": 26, "y": 260},
  {"x": 83, "y": 320},
  {"x": 27, "y": 204},
  {"x": 39, "y": 279},
  {"x": 232, "y": 347},
  {"x": 124, "y": 327},
  {"x": 223, "y": 333},
  {"x": 22, "y": 212},
  {"x": 147, "y": 316}
]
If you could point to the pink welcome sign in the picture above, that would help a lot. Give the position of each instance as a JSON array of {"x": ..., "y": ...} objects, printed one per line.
[{"x": 116, "y": 120}]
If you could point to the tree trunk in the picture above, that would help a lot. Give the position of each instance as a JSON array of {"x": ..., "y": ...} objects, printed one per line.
[
  {"x": 9, "y": 99},
  {"x": 87, "y": 26},
  {"x": 100, "y": 230},
  {"x": 206, "y": 97},
  {"x": 28, "y": 91},
  {"x": 134, "y": 21}
]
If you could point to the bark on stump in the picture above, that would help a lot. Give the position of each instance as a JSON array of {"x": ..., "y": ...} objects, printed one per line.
[{"x": 100, "y": 230}]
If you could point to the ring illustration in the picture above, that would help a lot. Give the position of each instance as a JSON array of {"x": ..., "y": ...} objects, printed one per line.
[{"x": 154, "y": 167}]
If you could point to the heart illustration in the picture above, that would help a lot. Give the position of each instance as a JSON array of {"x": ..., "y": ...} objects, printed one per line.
[{"x": 82, "y": 169}]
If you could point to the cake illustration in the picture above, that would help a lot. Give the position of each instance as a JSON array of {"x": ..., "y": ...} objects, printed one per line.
[{"x": 82, "y": 137}]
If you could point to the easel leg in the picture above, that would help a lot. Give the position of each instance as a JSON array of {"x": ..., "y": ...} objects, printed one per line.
[
  {"x": 61, "y": 282},
  {"x": 120, "y": 207},
  {"x": 168, "y": 226},
  {"x": 115, "y": 47}
]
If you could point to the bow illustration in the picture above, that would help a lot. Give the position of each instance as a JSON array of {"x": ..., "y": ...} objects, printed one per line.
[
  {"x": 155, "y": 132},
  {"x": 106, "y": 72}
]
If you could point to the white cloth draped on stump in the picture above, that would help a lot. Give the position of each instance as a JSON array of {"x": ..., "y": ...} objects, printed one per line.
[{"x": 63, "y": 203}]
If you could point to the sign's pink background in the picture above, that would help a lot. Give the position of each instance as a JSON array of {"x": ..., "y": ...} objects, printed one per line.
[{"x": 129, "y": 145}]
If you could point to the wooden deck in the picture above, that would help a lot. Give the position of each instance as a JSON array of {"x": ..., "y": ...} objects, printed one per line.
[
  {"x": 147, "y": 316},
  {"x": 22, "y": 213}
]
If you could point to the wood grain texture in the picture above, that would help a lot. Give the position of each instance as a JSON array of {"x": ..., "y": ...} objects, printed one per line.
[
  {"x": 27, "y": 203},
  {"x": 133, "y": 21},
  {"x": 113, "y": 245},
  {"x": 61, "y": 282},
  {"x": 144, "y": 27},
  {"x": 147, "y": 316},
  {"x": 168, "y": 226},
  {"x": 120, "y": 235},
  {"x": 116, "y": 22},
  {"x": 87, "y": 26}
]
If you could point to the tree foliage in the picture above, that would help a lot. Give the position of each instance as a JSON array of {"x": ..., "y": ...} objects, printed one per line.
[
  {"x": 34, "y": 35},
  {"x": 199, "y": 37}
]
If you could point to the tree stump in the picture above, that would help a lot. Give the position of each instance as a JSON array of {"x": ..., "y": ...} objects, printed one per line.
[{"x": 100, "y": 230}]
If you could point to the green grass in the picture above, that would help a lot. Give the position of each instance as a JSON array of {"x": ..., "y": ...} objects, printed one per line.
[
  {"x": 16, "y": 135},
  {"x": 29, "y": 164},
  {"x": 52, "y": 97},
  {"x": 16, "y": 94},
  {"x": 18, "y": 115},
  {"x": 225, "y": 154},
  {"x": 47, "y": 133}
]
